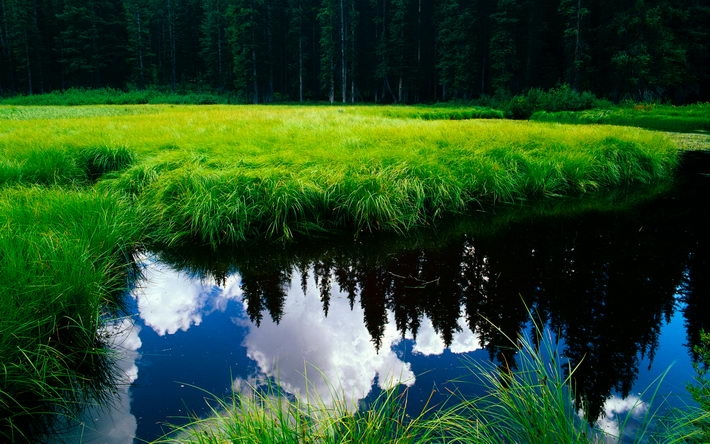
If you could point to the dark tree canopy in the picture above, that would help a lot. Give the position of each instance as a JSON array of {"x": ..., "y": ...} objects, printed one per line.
[{"x": 393, "y": 51}]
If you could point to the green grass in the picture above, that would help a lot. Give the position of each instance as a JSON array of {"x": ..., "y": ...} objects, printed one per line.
[
  {"x": 264, "y": 414},
  {"x": 82, "y": 186},
  {"x": 223, "y": 174},
  {"x": 434, "y": 112},
  {"x": 529, "y": 401},
  {"x": 683, "y": 119},
  {"x": 108, "y": 96},
  {"x": 62, "y": 268}
]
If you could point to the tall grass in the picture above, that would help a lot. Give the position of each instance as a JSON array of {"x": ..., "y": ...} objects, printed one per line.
[
  {"x": 109, "y": 96},
  {"x": 530, "y": 400},
  {"x": 691, "y": 118},
  {"x": 225, "y": 174},
  {"x": 61, "y": 166},
  {"x": 265, "y": 414},
  {"x": 63, "y": 266}
]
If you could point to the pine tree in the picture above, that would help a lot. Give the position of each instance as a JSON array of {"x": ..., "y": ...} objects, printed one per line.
[
  {"x": 574, "y": 15},
  {"x": 20, "y": 41},
  {"x": 455, "y": 51},
  {"x": 139, "y": 17},
  {"x": 92, "y": 41},
  {"x": 328, "y": 46},
  {"x": 243, "y": 30},
  {"x": 215, "y": 51},
  {"x": 503, "y": 51}
]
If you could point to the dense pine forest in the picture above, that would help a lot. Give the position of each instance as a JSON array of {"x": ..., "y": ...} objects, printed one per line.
[{"x": 385, "y": 51}]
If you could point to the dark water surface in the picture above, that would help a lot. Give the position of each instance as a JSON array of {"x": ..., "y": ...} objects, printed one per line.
[{"x": 627, "y": 291}]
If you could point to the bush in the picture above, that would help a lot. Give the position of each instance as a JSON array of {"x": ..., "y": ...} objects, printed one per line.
[
  {"x": 562, "y": 98},
  {"x": 519, "y": 108}
]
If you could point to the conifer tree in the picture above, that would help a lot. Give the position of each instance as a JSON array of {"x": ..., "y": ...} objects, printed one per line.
[
  {"x": 91, "y": 42},
  {"x": 574, "y": 14},
  {"x": 503, "y": 51},
  {"x": 215, "y": 50},
  {"x": 139, "y": 18},
  {"x": 243, "y": 30}
]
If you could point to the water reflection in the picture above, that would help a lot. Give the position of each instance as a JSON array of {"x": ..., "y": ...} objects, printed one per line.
[
  {"x": 333, "y": 351},
  {"x": 605, "y": 280},
  {"x": 113, "y": 422},
  {"x": 170, "y": 300}
]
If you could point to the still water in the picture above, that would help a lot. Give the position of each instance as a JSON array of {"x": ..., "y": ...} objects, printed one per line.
[{"x": 626, "y": 291}]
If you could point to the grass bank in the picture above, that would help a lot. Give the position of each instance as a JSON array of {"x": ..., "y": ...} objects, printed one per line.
[
  {"x": 682, "y": 119},
  {"x": 62, "y": 268},
  {"x": 223, "y": 174},
  {"x": 81, "y": 186}
]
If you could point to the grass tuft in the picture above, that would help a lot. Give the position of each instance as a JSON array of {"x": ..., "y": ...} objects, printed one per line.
[{"x": 63, "y": 257}]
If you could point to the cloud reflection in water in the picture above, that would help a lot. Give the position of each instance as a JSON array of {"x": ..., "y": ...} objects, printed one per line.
[
  {"x": 311, "y": 355},
  {"x": 113, "y": 423},
  {"x": 335, "y": 353},
  {"x": 170, "y": 300}
]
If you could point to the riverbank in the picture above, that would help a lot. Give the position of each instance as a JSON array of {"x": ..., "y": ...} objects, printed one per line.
[
  {"x": 83, "y": 187},
  {"x": 221, "y": 174}
]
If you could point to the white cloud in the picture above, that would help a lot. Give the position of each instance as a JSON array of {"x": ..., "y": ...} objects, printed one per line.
[
  {"x": 617, "y": 411},
  {"x": 429, "y": 342},
  {"x": 325, "y": 359},
  {"x": 169, "y": 300},
  {"x": 317, "y": 358},
  {"x": 113, "y": 423}
]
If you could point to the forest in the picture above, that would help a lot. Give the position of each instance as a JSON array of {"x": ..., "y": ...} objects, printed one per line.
[{"x": 379, "y": 51}]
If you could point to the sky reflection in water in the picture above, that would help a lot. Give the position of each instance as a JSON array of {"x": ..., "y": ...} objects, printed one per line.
[
  {"x": 627, "y": 291},
  {"x": 333, "y": 349}
]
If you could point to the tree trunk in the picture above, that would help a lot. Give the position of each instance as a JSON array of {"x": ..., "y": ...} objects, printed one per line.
[
  {"x": 343, "y": 67},
  {"x": 268, "y": 95},
  {"x": 173, "y": 44},
  {"x": 300, "y": 52},
  {"x": 141, "y": 67},
  {"x": 577, "y": 47},
  {"x": 300, "y": 67},
  {"x": 28, "y": 64},
  {"x": 331, "y": 87},
  {"x": 255, "y": 84}
]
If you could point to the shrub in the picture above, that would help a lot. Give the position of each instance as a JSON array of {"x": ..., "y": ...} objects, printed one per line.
[
  {"x": 519, "y": 108},
  {"x": 562, "y": 98}
]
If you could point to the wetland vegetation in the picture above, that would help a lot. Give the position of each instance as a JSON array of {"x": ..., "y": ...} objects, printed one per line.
[
  {"x": 156, "y": 154},
  {"x": 83, "y": 188}
]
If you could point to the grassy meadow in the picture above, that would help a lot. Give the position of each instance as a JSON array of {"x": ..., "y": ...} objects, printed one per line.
[
  {"x": 223, "y": 174},
  {"x": 82, "y": 187},
  {"x": 682, "y": 119},
  {"x": 63, "y": 263}
]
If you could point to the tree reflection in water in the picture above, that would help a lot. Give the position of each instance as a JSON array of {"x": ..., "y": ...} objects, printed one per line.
[{"x": 604, "y": 280}]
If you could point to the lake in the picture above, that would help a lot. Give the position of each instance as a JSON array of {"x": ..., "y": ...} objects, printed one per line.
[{"x": 623, "y": 285}]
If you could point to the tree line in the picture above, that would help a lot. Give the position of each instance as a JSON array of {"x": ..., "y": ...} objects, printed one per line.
[{"x": 392, "y": 51}]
